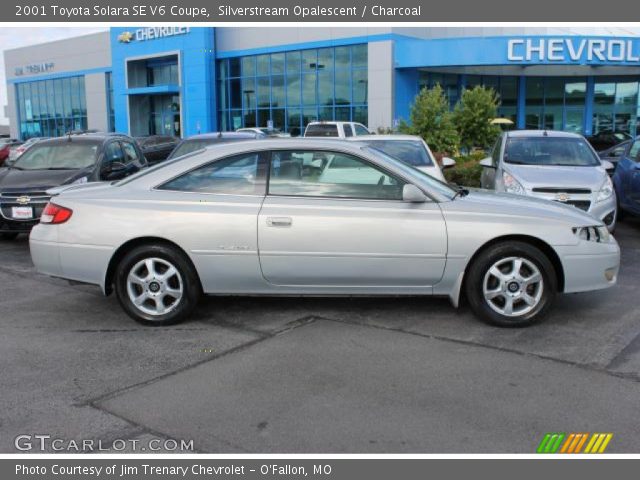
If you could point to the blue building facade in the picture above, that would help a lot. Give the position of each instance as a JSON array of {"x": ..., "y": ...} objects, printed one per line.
[{"x": 183, "y": 81}]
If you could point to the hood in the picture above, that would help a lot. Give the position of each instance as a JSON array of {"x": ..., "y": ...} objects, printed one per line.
[
  {"x": 12, "y": 179},
  {"x": 531, "y": 176},
  {"x": 524, "y": 206}
]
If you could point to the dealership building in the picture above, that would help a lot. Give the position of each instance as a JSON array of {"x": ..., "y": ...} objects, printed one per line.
[{"x": 182, "y": 81}]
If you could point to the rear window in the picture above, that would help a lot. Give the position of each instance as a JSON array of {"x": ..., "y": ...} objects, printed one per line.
[
  {"x": 411, "y": 152},
  {"x": 321, "y": 130},
  {"x": 189, "y": 146}
]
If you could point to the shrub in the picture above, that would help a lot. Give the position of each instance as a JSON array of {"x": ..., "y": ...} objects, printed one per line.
[
  {"x": 431, "y": 119},
  {"x": 472, "y": 116},
  {"x": 467, "y": 171}
]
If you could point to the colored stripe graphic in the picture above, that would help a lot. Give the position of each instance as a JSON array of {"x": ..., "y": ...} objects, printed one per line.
[
  {"x": 557, "y": 442},
  {"x": 550, "y": 443}
]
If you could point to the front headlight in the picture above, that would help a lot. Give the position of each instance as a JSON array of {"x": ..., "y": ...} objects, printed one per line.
[
  {"x": 606, "y": 190},
  {"x": 598, "y": 234},
  {"x": 511, "y": 185}
]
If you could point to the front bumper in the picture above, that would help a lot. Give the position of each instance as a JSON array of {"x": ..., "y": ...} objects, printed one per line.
[
  {"x": 605, "y": 211},
  {"x": 12, "y": 226},
  {"x": 36, "y": 201},
  {"x": 590, "y": 265}
]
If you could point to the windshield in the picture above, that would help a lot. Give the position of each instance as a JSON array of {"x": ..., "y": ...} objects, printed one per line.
[
  {"x": 550, "y": 151},
  {"x": 60, "y": 156},
  {"x": 411, "y": 152},
  {"x": 433, "y": 184}
]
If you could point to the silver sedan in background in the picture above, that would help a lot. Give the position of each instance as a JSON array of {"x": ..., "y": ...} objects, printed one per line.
[
  {"x": 265, "y": 218},
  {"x": 557, "y": 166}
]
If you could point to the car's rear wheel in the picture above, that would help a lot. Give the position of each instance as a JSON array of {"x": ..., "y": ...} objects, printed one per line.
[
  {"x": 511, "y": 284},
  {"x": 157, "y": 285},
  {"x": 8, "y": 236}
]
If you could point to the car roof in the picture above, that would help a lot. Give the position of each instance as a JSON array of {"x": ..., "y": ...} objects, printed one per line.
[
  {"x": 284, "y": 143},
  {"x": 397, "y": 136},
  {"x": 222, "y": 135},
  {"x": 329, "y": 123},
  {"x": 85, "y": 138},
  {"x": 542, "y": 133}
]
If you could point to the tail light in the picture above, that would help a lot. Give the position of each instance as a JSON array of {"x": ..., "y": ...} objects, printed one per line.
[{"x": 55, "y": 214}]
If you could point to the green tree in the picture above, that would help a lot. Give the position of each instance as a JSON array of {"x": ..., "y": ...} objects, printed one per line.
[
  {"x": 431, "y": 119},
  {"x": 472, "y": 117}
]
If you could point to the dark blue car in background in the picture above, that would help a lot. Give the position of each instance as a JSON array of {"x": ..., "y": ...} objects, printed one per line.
[{"x": 626, "y": 179}]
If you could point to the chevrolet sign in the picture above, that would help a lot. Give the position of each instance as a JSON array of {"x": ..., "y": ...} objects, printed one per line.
[
  {"x": 573, "y": 50},
  {"x": 151, "y": 33}
]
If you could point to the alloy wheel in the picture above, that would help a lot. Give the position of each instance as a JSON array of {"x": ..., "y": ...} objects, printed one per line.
[
  {"x": 513, "y": 286},
  {"x": 155, "y": 286}
]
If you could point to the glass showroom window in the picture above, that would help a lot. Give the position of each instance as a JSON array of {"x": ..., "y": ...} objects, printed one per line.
[
  {"x": 110, "y": 110},
  {"x": 616, "y": 106},
  {"x": 51, "y": 108},
  {"x": 555, "y": 103},
  {"x": 293, "y": 88},
  {"x": 505, "y": 87}
]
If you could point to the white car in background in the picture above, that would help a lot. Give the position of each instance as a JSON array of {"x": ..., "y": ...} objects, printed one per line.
[
  {"x": 409, "y": 149},
  {"x": 335, "y": 130}
]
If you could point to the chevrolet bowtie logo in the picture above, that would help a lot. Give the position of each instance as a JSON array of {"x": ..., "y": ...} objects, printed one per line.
[
  {"x": 125, "y": 37},
  {"x": 23, "y": 200}
]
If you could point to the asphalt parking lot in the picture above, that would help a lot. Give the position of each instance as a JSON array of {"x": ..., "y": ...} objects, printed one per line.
[{"x": 317, "y": 375}]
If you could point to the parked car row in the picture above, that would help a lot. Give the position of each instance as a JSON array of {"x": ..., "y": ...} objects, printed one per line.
[
  {"x": 254, "y": 213},
  {"x": 556, "y": 166}
]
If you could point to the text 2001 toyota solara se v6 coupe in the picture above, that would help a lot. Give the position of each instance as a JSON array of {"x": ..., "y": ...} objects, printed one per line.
[{"x": 316, "y": 217}]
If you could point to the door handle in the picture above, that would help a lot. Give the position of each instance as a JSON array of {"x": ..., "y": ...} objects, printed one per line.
[{"x": 279, "y": 221}]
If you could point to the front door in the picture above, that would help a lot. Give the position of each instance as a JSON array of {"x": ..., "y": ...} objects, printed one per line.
[{"x": 337, "y": 222}]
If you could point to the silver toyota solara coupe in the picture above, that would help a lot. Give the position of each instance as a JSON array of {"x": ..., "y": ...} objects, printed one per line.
[{"x": 316, "y": 217}]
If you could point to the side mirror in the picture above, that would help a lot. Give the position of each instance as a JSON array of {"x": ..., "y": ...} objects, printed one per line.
[
  {"x": 114, "y": 171},
  {"x": 607, "y": 165},
  {"x": 487, "y": 163},
  {"x": 448, "y": 162},
  {"x": 412, "y": 194}
]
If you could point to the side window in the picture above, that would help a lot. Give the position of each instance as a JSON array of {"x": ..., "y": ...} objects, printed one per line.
[
  {"x": 634, "y": 151},
  {"x": 113, "y": 153},
  {"x": 360, "y": 130},
  {"x": 495, "y": 154},
  {"x": 330, "y": 175},
  {"x": 348, "y": 132},
  {"x": 130, "y": 153},
  {"x": 618, "y": 151},
  {"x": 238, "y": 175}
]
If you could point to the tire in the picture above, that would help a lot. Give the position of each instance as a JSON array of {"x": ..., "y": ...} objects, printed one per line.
[
  {"x": 511, "y": 273},
  {"x": 8, "y": 236},
  {"x": 163, "y": 280}
]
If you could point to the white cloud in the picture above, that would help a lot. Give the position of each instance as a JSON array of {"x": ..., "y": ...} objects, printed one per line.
[{"x": 14, "y": 37}]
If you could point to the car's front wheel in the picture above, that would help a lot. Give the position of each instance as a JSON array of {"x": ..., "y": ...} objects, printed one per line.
[
  {"x": 8, "y": 236},
  {"x": 511, "y": 284},
  {"x": 157, "y": 285}
]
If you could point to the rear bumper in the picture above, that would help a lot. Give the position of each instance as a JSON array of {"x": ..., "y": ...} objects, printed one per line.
[
  {"x": 591, "y": 266},
  {"x": 81, "y": 263}
]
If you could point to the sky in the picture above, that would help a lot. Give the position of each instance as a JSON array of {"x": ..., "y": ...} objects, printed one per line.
[{"x": 13, "y": 37}]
